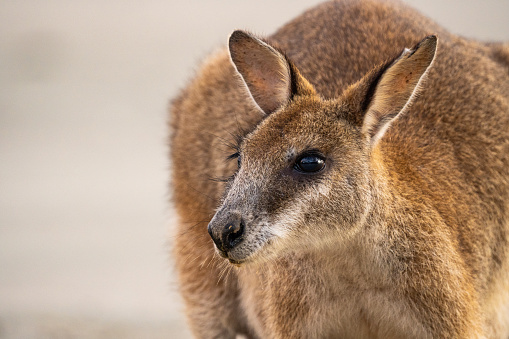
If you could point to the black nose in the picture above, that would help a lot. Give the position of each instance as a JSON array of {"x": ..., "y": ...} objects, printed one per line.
[
  {"x": 232, "y": 234},
  {"x": 229, "y": 236}
]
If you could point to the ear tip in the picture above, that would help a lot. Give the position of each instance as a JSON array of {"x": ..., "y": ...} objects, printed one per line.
[
  {"x": 237, "y": 39},
  {"x": 234, "y": 36},
  {"x": 427, "y": 46},
  {"x": 238, "y": 35},
  {"x": 431, "y": 41}
]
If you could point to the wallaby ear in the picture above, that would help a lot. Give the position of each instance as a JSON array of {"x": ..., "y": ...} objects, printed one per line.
[
  {"x": 267, "y": 74},
  {"x": 397, "y": 87}
]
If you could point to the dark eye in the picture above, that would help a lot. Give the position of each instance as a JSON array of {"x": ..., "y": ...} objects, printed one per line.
[
  {"x": 309, "y": 163},
  {"x": 233, "y": 156}
]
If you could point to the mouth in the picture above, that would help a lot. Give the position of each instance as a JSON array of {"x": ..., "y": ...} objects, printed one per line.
[
  {"x": 228, "y": 256},
  {"x": 243, "y": 255},
  {"x": 240, "y": 249},
  {"x": 237, "y": 263}
]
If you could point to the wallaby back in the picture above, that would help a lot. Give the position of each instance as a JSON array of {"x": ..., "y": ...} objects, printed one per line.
[{"x": 405, "y": 234}]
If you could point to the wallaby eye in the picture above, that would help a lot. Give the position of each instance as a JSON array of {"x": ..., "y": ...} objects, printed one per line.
[
  {"x": 309, "y": 163},
  {"x": 235, "y": 155}
]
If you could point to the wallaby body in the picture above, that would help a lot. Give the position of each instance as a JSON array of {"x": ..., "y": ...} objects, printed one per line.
[{"x": 370, "y": 198}]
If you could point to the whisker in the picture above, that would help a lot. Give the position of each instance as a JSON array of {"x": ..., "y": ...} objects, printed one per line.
[
  {"x": 205, "y": 195},
  {"x": 221, "y": 274},
  {"x": 222, "y": 179},
  {"x": 210, "y": 259},
  {"x": 188, "y": 230}
]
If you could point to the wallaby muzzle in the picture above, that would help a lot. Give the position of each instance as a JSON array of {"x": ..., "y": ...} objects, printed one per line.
[{"x": 227, "y": 232}]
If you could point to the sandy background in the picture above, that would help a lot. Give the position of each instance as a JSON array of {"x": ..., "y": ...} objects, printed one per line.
[{"x": 84, "y": 86}]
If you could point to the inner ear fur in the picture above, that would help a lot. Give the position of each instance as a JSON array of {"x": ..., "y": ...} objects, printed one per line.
[
  {"x": 394, "y": 87},
  {"x": 269, "y": 76}
]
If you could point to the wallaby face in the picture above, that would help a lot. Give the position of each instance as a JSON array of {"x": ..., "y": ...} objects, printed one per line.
[{"x": 305, "y": 172}]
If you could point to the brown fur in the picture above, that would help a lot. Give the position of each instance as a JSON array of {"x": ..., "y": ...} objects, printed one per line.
[{"x": 405, "y": 236}]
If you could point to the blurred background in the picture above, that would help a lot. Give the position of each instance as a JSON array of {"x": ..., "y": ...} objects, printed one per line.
[{"x": 85, "y": 227}]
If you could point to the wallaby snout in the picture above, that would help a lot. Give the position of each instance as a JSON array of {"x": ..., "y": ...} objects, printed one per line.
[{"x": 227, "y": 232}]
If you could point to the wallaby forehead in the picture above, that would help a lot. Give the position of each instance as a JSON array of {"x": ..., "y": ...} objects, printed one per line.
[{"x": 304, "y": 124}]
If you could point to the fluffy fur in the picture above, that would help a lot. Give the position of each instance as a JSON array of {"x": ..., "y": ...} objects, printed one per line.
[{"x": 405, "y": 232}]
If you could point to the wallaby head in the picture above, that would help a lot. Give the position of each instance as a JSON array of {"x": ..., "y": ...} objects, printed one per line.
[{"x": 306, "y": 170}]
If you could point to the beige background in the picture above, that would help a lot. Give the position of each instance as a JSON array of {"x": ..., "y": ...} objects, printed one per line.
[{"x": 84, "y": 85}]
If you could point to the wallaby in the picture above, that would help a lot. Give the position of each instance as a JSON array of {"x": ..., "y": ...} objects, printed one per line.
[{"x": 370, "y": 196}]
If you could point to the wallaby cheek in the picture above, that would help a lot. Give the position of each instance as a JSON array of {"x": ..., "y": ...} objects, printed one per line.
[
  {"x": 344, "y": 206},
  {"x": 317, "y": 210},
  {"x": 275, "y": 196}
]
